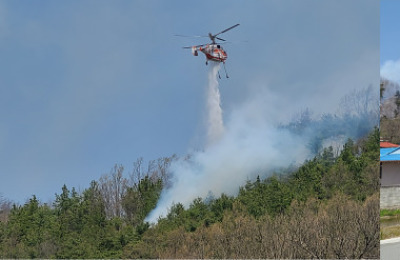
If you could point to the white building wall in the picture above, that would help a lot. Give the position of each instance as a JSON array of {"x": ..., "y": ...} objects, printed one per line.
[
  {"x": 390, "y": 197},
  {"x": 390, "y": 174}
]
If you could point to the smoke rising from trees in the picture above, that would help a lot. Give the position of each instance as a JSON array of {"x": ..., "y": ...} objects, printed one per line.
[
  {"x": 254, "y": 142},
  {"x": 390, "y": 70}
]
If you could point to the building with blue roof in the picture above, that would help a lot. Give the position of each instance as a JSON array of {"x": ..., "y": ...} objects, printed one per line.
[
  {"x": 390, "y": 154},
  {"x": 390, "y": 177},
  {"x": 390, "y": 166}
]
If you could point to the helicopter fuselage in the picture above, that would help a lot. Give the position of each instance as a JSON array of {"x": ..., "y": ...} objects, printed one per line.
[{"x": 212, "y": 52}]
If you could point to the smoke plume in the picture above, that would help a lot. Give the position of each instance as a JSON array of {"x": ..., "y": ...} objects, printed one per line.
[
  {"x": 391, "y": 70},
  {"x": 252, "y": 141},
  {"x": 249, "y": 145}
]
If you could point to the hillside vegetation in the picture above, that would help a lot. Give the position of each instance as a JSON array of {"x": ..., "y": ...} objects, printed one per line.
[
  {"x": 327, "y": 208},
  {"x": 390, "y": 111}
]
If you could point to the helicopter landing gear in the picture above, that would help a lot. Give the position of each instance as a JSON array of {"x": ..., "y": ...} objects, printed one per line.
[{"x": 225, "y": 71}]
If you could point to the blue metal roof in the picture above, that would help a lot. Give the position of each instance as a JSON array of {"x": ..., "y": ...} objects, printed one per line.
[
  {"x": 390, "y": 154},
  {"x": 385, "y": 151}
]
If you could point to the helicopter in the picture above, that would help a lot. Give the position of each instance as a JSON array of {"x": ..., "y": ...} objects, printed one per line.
[{"x": 213, "y": 51}]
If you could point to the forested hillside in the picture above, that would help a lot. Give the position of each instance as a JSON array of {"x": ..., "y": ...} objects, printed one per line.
[
  {"x": 327, "y": 208},
  {"x": 390, "y": 111}
]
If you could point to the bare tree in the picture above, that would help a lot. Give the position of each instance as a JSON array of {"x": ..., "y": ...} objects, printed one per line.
[
  {"x": 113, "y": 188},
  {"x": 137, "y": 173},
  {"x": 5, "y": 208},
  {"x": 360, "y": 102}
]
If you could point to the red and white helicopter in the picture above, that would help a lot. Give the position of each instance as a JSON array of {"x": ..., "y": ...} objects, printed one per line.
[{"x": 213, "y": 51}]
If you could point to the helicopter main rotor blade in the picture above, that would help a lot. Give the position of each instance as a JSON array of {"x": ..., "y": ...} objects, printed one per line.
[
  {"x": 220, "y": 39},
  {"x": 230, "y": 28},
  {"x": 189, "y": 47},
  {"x": 190, "y": 36}
]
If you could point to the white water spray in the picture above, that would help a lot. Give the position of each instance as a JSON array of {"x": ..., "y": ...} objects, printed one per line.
[{"x": 215, "y": 123}]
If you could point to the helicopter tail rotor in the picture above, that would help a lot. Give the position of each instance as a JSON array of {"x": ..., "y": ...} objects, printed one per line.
[{"x": 194, "y": 51}]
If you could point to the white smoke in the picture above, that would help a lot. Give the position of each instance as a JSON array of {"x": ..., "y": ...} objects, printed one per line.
[
  {"x": 250, "y": 145},
  {"x": 391, "y": 70},
  {"x": 215, "y": 122}
]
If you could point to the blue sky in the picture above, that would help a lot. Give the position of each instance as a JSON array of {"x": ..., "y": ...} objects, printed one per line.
[
  {"x": 389, "y": 37},
  {"x": 389, "y": 32},
  {"x": 88, "y": 84}
]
